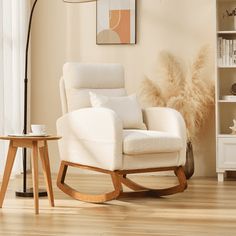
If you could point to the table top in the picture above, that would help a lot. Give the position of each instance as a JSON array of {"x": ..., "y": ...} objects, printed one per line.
[{"x": 32, "y": 138}]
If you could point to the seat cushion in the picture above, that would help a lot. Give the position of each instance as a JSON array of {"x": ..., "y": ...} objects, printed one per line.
[
  {"x": 156, "y": 160},
  {"x": 136, "y": 142}
]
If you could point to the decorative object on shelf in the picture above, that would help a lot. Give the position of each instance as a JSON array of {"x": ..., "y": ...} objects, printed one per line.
[
  {"x": 28, "y": 192},
  {"x": 233, "y": 128},
  {"x": 232, "y": 13},
  {"x": 191, "y": 93},
  {"x": 233, "y": 92},
  {"x": 229, "y": 98},
  {"x": 116, "y": 21},
  {"x": 233, "y": 89}
]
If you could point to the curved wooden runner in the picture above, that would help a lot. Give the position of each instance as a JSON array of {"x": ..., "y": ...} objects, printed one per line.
[
  {"x": 142, "y": 191},
  {"x": 119, "y": 178}
]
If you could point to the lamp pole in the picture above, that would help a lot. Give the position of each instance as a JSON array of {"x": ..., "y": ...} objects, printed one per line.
[{"x": 29, "y": 192}]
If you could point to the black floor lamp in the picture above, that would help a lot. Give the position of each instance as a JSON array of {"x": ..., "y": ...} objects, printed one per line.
[{"x": 28, "y": 192}]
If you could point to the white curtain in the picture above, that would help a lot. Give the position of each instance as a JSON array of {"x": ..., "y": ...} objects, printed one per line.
[{"x": 13, "y": 29}]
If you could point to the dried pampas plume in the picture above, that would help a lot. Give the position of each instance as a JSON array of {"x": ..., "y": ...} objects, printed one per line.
[
  {"x": 171, "y": 78},
  {"x": 191, "y": 93},
  {"x": 201, "y": 88},
  {"x": 151, "y": 93}
]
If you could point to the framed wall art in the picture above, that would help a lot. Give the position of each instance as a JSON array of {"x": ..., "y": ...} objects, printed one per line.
[{"x": 116, "y": 22}]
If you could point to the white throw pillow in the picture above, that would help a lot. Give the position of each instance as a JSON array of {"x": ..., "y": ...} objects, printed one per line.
[{"x": 127, "y": 108}]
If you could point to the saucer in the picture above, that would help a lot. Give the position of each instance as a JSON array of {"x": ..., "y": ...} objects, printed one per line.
[{"x": 37, "y": 135}]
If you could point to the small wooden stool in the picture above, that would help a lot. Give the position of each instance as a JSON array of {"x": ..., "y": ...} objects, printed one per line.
[{"x": 36, "y": 144}]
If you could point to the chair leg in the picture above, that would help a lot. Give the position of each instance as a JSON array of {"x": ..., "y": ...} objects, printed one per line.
[
  {"x": 7, "y": 172},
  {"x": 99, "y": 198},
  {"x": 116, "y": 182},
  {"x": 34, "y": 162},
  {"x": 47, "y": 173},
  {"x": 131, "y": 184},
  {"x": 179, "y": 172}
]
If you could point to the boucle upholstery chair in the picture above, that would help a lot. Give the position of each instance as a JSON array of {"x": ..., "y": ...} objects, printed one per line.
[{"x": 94, "y": 138}]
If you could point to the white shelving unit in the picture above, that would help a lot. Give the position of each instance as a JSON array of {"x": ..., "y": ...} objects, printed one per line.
[{"x": 226, "y": 76}]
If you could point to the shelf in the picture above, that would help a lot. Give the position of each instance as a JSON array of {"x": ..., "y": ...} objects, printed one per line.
[
  {"x": 226, "y": 101},
  {"x": 226, "y": 32},
  {"x": 225, "y": 1},
  {"x": 225, "y": 67},
  {"x": 226, "y": 136}
]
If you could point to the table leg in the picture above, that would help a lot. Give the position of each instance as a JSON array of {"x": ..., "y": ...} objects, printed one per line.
[
  {"x": 34, "y": 159},
  {"x": 46, "y": 171},
  {"x": 7, "y": 171}
]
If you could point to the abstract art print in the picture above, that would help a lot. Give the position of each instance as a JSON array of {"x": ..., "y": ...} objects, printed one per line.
[{"x": 116, "y": 21}]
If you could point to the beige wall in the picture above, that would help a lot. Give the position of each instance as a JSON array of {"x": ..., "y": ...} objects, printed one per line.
[{"x": 68, "y": 33}]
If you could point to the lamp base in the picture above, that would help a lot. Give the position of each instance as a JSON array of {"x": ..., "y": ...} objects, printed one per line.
[{"x": 29, "y": 193}]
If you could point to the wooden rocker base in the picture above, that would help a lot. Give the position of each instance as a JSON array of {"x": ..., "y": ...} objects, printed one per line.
[{"x": 118, "y": 178}]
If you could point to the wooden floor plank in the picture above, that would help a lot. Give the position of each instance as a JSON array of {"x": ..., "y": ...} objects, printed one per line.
[{"x": 205, "y": 208}]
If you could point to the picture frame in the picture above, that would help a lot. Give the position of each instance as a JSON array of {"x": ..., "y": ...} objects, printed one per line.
[{"x": 116, "y": 22}]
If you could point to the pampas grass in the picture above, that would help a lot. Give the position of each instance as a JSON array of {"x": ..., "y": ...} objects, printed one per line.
[
  {"x": 191, "y": 93},
  {"x": 151, "y": 93},
  {"x": 202, "y": 89},
  {"x": 171, "y": 78}
]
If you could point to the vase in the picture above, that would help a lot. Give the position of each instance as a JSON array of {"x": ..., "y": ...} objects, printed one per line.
[{"x": 189, "y": 165}]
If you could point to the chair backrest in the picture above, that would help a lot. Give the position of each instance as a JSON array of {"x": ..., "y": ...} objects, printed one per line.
[{"x": 78, "y": 79}]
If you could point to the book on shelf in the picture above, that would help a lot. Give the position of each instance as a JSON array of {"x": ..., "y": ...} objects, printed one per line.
[
  {"x": 234, "y": 51},
  {"x": 231, "y": 52},
  {"x": 226, "y": 52}
]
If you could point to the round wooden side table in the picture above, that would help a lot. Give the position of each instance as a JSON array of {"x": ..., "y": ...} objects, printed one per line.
[{"x": 38, "y": 144}]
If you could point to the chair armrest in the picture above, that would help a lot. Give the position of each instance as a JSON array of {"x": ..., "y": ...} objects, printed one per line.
[
  {"x": 91, "y": 136},
  {"x": 167, "y": 120}
]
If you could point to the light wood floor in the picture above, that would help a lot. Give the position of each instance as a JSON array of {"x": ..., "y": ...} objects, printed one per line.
[{"x": 206, "y": 208}]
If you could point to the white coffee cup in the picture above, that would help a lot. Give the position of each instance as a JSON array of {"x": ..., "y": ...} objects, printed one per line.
[{"x": 38, "y": 129}]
